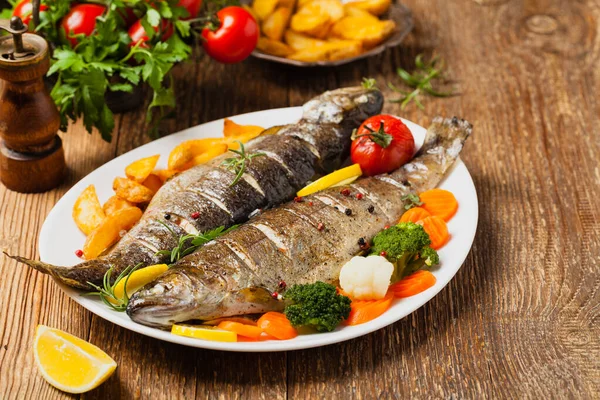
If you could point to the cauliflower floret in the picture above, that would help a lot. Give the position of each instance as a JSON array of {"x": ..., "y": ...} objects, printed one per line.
[{"x": 366, "y": 278}]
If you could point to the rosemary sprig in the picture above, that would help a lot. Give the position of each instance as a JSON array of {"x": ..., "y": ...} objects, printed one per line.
[
  {"x": 412, "y": 200},
  {"x": 187, "y": 244},
  {"x": 369, "y": 83},
  {"x": 107, "y": 291},
  {"x": 238, "y": 164},
  {"x": 421, "y": 81}
]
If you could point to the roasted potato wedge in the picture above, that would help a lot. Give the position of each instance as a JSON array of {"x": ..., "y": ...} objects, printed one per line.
[
  {"x": 369, "y": 32},
  {"x": 333, "y": 8},
  {"x": 140, "y": 169},
  {"x": 165, "y": 174},
  {"x": 132, "y": 191},
  {"x": 209, "y": 155},
  {"x": 274, "y": 47},
  {"x": 186, "y": 151},
  {"x": 109, "y": 231},
  {"x": 114, "y": 204},
  {"x": 274, "y": 26},
  {"x": 233, "y": 130},
  {"x": 311, "y": 54},
  {"x": 375, "y": 7},
  {"x": 352, "y": 11},
  {"x": 310, "y": 20},
  {"x": 299, "y": 42},
  {"x": 153, "y": 182},
  {"x": 264, "y": 8},
  {"x": 287, "y": 3},
  {"x": 340, "y": 49},
  {"x": 87, "y": 211}
]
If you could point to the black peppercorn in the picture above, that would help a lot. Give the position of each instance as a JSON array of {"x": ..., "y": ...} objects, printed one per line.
[
  {"x": 348, "y": 212},
  {"x": 371, "y": 209}
]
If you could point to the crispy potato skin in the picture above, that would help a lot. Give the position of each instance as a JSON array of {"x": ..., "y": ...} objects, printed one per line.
[{"x": 322, "y": 30}]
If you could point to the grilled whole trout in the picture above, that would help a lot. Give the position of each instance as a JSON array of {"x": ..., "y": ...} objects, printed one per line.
[
  {"x": 299, "y": 242},
  {"x": 316, "y": 145}
]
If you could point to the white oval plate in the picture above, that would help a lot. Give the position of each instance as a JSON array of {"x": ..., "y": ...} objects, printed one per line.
[{"x": 60, "y": 237}]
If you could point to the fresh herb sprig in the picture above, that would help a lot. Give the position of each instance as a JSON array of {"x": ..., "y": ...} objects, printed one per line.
[
  {"x": 411, "y": 200},
  {"x": 107, "y": 290},
  {"x": 238, "y": 164},
  {"x": 369, "y": 83},
  {"x": 187, "y": 244},
  {"x": 421, "y": 81}
]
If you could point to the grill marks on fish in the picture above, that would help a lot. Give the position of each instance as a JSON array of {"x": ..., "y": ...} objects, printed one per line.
[{"x": 310, "y": 254}]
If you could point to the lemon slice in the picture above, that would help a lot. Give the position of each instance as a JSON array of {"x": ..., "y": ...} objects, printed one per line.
[
  {"x": 69, "y": 363},
  {"x": 345, "y": 182},
  {"x": 139, "y": 278},
  {"x": 204, "y": 332},
  {"x": 333, "y": 179}
]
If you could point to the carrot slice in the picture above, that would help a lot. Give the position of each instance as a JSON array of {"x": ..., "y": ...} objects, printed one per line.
[
  {"x": 276, "y": 324},
  {"x": 437, "y": 230},
  {"x": 415, "y": 214},
  {"x": 413, "y": 284},
  {"x": 248, "y": 331},
  {"x": 362, "y": 311},
  {"x": 439, "y": 202}
]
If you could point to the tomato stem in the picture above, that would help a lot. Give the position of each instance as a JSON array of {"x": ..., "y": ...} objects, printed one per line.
[{"x": 380, "y": 137}]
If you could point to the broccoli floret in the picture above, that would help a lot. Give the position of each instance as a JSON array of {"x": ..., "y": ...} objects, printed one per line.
[
  {"x": 406, "y": 245},
  {"x": 316, "y": 305}
]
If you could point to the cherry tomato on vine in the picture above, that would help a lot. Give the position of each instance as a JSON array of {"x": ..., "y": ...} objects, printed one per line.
[
  {"x": 235, "y": 39},
  {"x": 137, "y": 33},
  {"x": 382, "y": 144},
  {"x": 81, "y": 19},
  {"x": 192, "y": 6},
  {"x": 24, "y": 10}
]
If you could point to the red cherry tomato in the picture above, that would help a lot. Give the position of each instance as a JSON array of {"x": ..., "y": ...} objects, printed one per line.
[
  {"x": 192, "y": 6},
  {"x": 137, "y": 33},
  {"x": 383, "y": 143},
  {"x": 81, "y": 19},
  {"x": 235, "y": 39},
  {"x": 24, "y": 10}
]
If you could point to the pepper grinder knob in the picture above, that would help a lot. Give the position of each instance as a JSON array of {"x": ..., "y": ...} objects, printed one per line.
[{"x": 31, "y": 154}]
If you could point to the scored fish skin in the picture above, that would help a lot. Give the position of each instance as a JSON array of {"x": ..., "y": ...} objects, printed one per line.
[
  {"x": 296, "y": 153},
  {"x": 298, "y": 242}
]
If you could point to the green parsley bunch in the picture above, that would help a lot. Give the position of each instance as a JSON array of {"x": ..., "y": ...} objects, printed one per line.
[{"x": 108, "y": 61}]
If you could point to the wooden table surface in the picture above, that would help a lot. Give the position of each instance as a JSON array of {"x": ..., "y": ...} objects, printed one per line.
[{"x": 519, "y": 320}]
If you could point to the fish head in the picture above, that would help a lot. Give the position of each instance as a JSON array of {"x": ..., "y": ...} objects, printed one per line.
[
  {"x": 346, "y": 106},
  {"x": 180, "y": 294}
]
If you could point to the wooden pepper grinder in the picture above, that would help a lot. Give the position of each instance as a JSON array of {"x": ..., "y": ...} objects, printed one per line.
[{"x": 32, "y": 159}]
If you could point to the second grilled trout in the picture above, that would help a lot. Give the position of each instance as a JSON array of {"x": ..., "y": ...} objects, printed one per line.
[
  {"x": 317, "y": 144},
  {"x": 299, "y": 242}
]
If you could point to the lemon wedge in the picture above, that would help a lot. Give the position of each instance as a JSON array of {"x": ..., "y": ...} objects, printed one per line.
[
  {"x": 139, "y": 278},
  {"x": 204, "y": 332},
  {"x": 335, "y": 178},
  {"x": 69, "y": 363}
]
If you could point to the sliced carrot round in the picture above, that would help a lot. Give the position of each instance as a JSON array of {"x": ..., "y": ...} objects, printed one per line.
[
  {"x": 413, "y": 284},
  {"x": 437, "y": 230},
  {"x": 362, "y": 311},
  {"x": 440, "y": 203},
  {"x": 248, "y": 331},
  {"x": 414, "y": 215},
  {"x": 276, "y": 324}
]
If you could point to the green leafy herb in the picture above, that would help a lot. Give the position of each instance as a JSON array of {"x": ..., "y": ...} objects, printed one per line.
[
  {"x": 106, "y": 61},
  {"x": 187, "y": 244},
  {"x": 369, "y": 83},
  {"x": 421, "y": 81},
  {"x": 107, "y": 291},
  {"x": 238, "y": 164},
  {"x": 411, "y": 200}
]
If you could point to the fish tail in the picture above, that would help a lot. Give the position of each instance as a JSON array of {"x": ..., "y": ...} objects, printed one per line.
[
  {"x": 71, "y": 276},
  {"x": 445, "y": 132}
]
